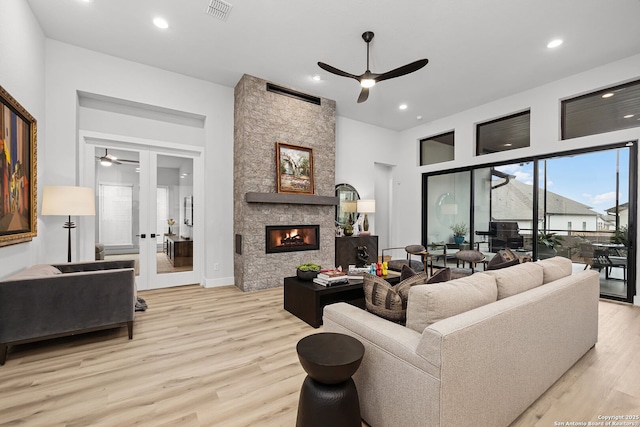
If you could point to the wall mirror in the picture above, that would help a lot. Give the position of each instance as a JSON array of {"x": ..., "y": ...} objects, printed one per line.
[
  {"x": 346, "y": 208},
  {"x": 188, "y": 211}
]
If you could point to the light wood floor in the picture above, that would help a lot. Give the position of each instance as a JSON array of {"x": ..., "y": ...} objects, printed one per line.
[{"x": 220, "y": 357}]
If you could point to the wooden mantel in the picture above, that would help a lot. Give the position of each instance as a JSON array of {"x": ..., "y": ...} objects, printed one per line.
[{"x": 294, "y": 199}]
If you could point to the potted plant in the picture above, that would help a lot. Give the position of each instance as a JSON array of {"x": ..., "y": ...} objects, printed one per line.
[
  {"x": 547, "y": 243},
  {"x": 307, "y": 271},
  {"x": 459, "y": 231}
]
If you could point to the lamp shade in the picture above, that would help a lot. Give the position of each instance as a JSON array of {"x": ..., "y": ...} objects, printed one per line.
[
  {"x": 449, "y": 209},
  {"x": 349, "y": 206},
  {"x": 68, "y": 201},
  {"x": 367, "y": 206}
]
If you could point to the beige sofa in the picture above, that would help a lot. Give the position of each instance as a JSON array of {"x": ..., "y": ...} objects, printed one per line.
[{"x": 456, "y": 365}]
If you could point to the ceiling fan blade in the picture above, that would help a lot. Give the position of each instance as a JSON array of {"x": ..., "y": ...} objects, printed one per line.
[
  {"x": 336, "y": 71},
  {"x": 364, "y": 94},
  {"x": 401, "y": 71}
]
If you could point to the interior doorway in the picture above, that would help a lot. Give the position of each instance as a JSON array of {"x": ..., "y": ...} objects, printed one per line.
[
  {"x": 383, "y": 189},
  {"x": 146, "y": 208}
]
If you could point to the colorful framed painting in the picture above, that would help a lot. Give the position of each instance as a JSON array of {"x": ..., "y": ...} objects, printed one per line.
[
  {"x": 294, "y": 166},
  {"x": 18, "y": 189}
]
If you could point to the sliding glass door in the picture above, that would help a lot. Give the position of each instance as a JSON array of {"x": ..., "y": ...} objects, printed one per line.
[
  {"x": 576, "y": 205},
  {"x": 584, "y": 201}
]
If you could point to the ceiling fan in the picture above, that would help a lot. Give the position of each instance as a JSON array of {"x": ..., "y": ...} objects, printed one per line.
[
  {"x": 369, "y": 79},
  {"x": 109, "y": 159}
]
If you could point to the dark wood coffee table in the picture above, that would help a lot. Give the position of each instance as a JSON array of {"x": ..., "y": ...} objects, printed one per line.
[{"x": 306, "y": 300}]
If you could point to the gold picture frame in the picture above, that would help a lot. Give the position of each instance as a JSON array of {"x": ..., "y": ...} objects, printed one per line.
[
  {"x": 294, "y": 169},
  {"x": 18, "y": 177}
]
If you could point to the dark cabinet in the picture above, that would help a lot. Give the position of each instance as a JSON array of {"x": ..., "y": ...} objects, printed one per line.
[
  {"x": 347, "y": 250},
  {"x": 180, "y": 251}
]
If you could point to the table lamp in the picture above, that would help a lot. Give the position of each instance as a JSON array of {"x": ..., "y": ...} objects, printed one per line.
[
  {"x": 349, "y": 206},
  {"x": 68, "y": 201},
  {"x": 366, "y": 206}
]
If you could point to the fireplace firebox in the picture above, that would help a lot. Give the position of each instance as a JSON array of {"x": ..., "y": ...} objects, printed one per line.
[{"x": 292, "y": 238}]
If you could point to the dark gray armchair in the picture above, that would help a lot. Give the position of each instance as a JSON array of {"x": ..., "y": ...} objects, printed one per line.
[{"x": 48, "y": 301}]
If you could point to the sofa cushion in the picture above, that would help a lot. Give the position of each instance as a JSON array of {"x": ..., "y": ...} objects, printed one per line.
[
  {"x": 388, "y": 301},
  {"x": 518, "y": 278},
  {"x": 33, "y": 272},
  {"x": 442, "y": 275},
  {"x": 397, "y": 264},
  {"x": 498, "y": 262},
  {"x": 555, "y": 268},
  {"x": 431, "y": 303}
]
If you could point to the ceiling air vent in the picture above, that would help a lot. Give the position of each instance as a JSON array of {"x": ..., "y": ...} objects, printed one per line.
[{"x": 219, "y": 9}]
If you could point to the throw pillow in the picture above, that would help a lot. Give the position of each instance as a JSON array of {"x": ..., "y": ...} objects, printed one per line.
[
  {"x": 406, "y": 272},
  {"x": 508, "y": 255},
  {"x": 34, "y": 272},
  {"x": 387, "y": 301},
  {"x": 498, "y": 262},
  {"x": 442, "y": 275}
]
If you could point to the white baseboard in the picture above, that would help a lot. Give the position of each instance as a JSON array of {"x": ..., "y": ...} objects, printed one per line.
[
  {"x": 636, "y": 300},
  {"x": 213, "y": 283}
]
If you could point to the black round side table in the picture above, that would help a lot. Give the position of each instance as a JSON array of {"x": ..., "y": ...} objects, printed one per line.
[{"x": 328, "y": 396}]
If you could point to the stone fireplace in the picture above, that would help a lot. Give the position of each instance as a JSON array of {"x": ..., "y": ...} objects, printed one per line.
[
  {"x": 262, "y": 117},
  {"x": 292, "y": 238}
]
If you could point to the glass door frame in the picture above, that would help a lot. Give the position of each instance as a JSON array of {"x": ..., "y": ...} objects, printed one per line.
[
  {"x": 148, "y": 150},
  {"x": 633, "y": 195}
]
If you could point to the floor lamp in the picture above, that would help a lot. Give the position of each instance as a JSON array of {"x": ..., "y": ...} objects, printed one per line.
[{"x": 68, "y": 201}]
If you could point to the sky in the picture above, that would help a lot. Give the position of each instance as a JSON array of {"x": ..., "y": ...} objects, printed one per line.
[{"x": 586, "y": 178}]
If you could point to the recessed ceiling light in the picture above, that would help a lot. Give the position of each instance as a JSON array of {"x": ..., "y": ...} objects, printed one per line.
[
  {"x": 628, "y": 116},
  {"x": 86, "y": 1},
  {"x": 419, "y": 117},
  {"x": 608, "y": 95},
  {"x": 402, "y": 106},
  {"x": 160, "y": 23},
  {"x": 316, "y": 78},
  {"x": 554, "y": 43}
]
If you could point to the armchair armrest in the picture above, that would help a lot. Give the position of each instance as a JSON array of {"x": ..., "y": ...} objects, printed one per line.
[{"x": 392, "y": 338}]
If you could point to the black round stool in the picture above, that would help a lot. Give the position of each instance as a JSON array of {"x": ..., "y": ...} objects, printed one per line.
[{"x": 328, "y": 396}]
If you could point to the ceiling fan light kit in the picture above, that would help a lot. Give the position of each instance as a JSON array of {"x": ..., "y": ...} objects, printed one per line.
[
  {"x": 369, "y": 79},
  {"x": 109, "y": 159}
]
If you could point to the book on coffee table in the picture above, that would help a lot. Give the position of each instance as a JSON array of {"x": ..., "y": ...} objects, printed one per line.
[{"x": 331, "y": 282}]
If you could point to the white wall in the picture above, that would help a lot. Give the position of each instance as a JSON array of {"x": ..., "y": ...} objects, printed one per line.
[
  {"x": 71, "y": 69},
  {"x": 544, "y": 103},
  {"x": 22, "y": 74},
  {"x": 359, "y": 146}
]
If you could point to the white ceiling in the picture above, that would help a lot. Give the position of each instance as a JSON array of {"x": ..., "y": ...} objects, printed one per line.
[{"x": 478, "y": 50}]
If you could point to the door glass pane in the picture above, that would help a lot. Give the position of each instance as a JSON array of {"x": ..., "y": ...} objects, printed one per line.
[
  {"x": 503, "y": 209},
  {"x": 174, "y": 214},
  {"x": 592, "y": 190},
  {"x": 117, "y": 214},
  {"x": 448, "y": 199}
]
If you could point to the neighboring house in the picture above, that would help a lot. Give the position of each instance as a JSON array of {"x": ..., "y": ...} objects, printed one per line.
[
  {"x": 513, "y": 201},
  {"x": 623, "y": 212}
]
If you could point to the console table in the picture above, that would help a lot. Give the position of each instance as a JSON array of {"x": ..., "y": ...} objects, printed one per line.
[
  {"x": 346, "y": 248},
  {"x": 180, "y": 251}
]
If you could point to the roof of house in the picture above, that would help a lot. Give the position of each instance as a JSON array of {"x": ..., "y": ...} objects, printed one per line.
[{"x": 514, "y": 201}]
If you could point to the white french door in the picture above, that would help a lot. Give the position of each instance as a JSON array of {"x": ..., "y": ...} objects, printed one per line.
[{"x": 147, "y": 207}]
